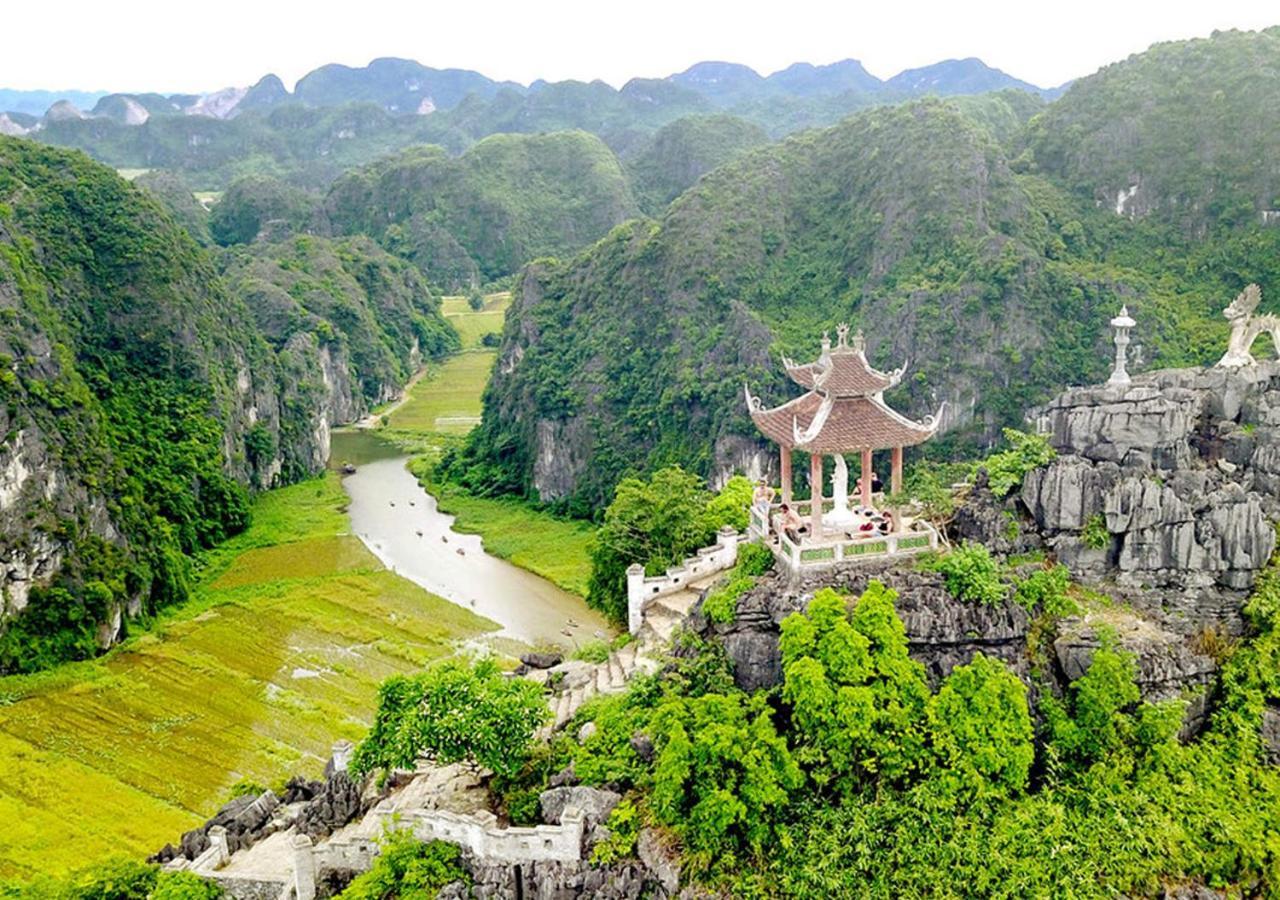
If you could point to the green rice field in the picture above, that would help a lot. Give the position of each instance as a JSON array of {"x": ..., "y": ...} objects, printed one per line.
[{"x": 280, "y": 654}]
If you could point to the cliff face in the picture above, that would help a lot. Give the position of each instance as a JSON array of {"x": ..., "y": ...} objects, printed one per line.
[
  {"x": 1177, "y": 482},
  {"x": 140, "y": 395}
]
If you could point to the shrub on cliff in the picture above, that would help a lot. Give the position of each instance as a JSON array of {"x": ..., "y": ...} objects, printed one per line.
[
  {"x": 407, "y": 868},
  {"x": 455, "y": 711}
]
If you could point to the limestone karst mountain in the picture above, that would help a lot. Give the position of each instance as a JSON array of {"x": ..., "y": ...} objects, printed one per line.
[{"x": 141, "y": 392}]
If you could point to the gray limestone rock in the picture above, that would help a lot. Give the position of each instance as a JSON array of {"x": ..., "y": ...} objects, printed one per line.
[
  {"x": 596, "y": 803},
  {"x": 1271, "y": 734}
]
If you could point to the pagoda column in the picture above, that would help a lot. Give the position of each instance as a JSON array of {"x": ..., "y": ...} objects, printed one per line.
[
  {"x": 815, "y": 495},
  {"x": 895, "y": 480},
  {"x": 786, "y": 474},
  {"x": 866, "y": 478}
]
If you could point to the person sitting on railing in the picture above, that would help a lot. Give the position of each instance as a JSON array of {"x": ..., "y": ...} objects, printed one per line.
[{"x": 788, "y": 522}]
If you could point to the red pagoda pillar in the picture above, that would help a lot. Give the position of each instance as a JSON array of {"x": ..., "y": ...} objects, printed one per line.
[
  {"x": 815, "y": 494},
  {"x": 786, "y": 474},
  {"x": 895, "y": 479},
  {"x": 866, "y": 478}
]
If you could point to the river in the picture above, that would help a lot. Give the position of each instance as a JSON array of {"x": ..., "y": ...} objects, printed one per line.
[{"x": 401, "y": 524}]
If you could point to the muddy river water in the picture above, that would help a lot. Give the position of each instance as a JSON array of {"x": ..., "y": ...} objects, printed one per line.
[{"x": 401, "y": 524}]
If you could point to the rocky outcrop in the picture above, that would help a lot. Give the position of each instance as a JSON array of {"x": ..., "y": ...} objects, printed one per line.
[
  {"x": 942, "y": 632},
  {"x": 1167, "y": 489}
]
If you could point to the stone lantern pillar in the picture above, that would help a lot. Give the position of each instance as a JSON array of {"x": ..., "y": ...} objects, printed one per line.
[{"x": 1122, "y": 324}]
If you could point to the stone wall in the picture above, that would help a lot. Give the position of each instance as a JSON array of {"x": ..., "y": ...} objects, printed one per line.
[{"x": 721, "y": 555}]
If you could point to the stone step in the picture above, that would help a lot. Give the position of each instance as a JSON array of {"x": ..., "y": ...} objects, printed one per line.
[
  {"x": 626, "y": 657},
  {"x": 617, "y": 675}
]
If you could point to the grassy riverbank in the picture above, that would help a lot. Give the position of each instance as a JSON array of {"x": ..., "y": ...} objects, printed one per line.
[
  {"x": 441, "y": 407},
  {"x": 294, "y": 625}
]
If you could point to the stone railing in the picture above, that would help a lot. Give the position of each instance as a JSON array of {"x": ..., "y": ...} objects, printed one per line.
[
  {"x": 723, "y": 554},
  {"x": 477, "y": 832},
  {"x": 811, "y": 554}
]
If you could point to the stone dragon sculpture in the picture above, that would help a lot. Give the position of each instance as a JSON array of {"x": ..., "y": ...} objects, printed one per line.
[{"x": 1245, "y": 328}]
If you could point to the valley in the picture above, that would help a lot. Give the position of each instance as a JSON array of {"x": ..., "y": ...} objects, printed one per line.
[{"x": 292, "y": 627}]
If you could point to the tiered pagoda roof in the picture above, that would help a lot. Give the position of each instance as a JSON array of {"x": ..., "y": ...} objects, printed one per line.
[{"x": 843, "y": 410}]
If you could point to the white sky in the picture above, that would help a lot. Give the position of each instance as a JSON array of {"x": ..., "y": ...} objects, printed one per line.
[{"x": 177, "y": 46}]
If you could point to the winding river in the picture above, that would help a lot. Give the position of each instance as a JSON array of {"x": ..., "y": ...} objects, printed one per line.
[{"x": 401, "y": 524}]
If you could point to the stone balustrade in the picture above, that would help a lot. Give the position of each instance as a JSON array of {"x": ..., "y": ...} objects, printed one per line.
[{"x": 723, "y": 554}]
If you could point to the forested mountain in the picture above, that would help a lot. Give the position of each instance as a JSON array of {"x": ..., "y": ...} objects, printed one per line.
[
  {"x": 682, "y": 152},
  {"x": 142, "y": 393},
  {"x": 987, "y": 257},
  {"x": 1183, "y": 134},
  {"x": 480, "y": 216},
  {"x": 338, "y": 116}
]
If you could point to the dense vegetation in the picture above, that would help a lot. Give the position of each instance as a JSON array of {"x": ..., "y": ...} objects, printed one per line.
[
  {"x": 657, "y": 523},
  {"x": 472, "y": 219},
  {"x": 680, "y": 153},
  {"x": 141, "y": 395},
  {"x": 856, "y": 778},
  {"x": 961, "y": 241}
]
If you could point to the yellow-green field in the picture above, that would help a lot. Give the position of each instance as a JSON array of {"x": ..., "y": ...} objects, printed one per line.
[
  {"x": 472, "y": 324},
  {"x": 445, "y": 401},
  {"x": 556, "y": 549},
  {"x": 294, "y": 625}
]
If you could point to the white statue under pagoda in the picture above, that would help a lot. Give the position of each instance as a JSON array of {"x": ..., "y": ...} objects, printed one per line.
[{"x": 1246, "y": 327}]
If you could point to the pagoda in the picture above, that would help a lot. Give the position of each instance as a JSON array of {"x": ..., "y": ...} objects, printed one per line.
[{"x": 843, "y": 411}]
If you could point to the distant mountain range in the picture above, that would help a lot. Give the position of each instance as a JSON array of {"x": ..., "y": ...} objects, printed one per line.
[{"x": 402, "y": 86}]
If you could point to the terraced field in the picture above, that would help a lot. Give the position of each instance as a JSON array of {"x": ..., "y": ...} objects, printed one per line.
[{"x": 295, "y": 625}]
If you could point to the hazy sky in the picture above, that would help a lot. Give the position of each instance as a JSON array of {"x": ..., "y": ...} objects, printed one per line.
[{"x": 172, "y": 46}]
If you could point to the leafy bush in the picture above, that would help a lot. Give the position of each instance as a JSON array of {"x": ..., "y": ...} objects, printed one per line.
[
  {"x": 981, "y": 732},
  {"x": 731, "y": 505},
  {"x": 755, "y": 559},
  {"x": 720, "y": 775},
  {"x": 1046, "y": 590},
  {"x": 185, "y": 886},
  {"x": 1006, "y": 469},
  {"x": 656, "y": 523},
  {"x": 1095, "y": 535},
  {"x": 858, "y": 701},
  {"x": 455, "y": 711},
  {"x": 592, "y": 652},
  {"x": 624, "y": 827},
  {"x": 971, "y": 574},
  {"x": 408, "y": 869}
]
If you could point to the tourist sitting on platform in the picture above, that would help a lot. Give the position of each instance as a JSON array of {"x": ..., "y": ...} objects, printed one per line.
[
  {"x": 876, "y": 484},
  {"x": 788, "y": 522},
  {"x": 886, "y": 524},
  {"x": 763, "y": 495}
]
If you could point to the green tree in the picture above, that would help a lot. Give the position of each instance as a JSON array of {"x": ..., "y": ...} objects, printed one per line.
[
  {"x": 981, "y": 732},
  {"x": 1006, "y": 469},
  {"x": 858, "y": 700},
  {"x": 721, "y": 777},
  {"x": 407, "y": 869},
  {"x": 455, "y": 711},
  {"x": 656, "y": 523}
]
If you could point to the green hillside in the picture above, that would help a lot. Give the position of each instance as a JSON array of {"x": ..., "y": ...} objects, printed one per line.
[
  {"x": 937, "y": 227},
  {"x": 142, "y": 396},
  {"x": 507, "y": 200}
]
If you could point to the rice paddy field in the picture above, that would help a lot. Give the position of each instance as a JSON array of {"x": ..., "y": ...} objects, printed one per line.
[{"x": 294, "y": 625}]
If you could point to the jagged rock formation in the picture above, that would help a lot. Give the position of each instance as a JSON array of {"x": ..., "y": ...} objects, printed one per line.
[{"x": 1168, "y": 489}]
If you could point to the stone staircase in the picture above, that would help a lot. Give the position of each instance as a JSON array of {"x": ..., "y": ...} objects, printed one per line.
[{"x": 662, "y": 616}]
